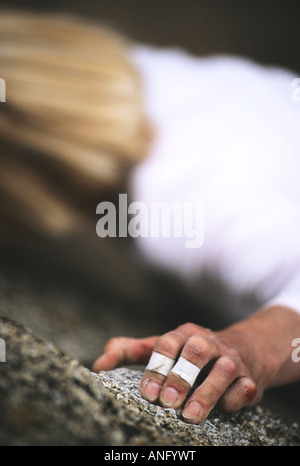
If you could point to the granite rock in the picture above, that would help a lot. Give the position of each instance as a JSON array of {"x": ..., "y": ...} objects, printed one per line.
[{"x": 48, "y": 398}]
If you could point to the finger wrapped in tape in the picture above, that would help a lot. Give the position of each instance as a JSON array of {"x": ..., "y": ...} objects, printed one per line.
[
  {"x": 186, "y": 370},
  {"x": 160, "y": 363}
]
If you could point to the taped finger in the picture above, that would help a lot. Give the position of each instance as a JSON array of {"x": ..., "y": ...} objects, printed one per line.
[
  {"x": 160, "y": 363},
  {"x": 186, "y": 370}
]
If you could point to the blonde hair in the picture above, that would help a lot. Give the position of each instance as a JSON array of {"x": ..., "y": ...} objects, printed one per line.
[{"x": 73, "y": 124}]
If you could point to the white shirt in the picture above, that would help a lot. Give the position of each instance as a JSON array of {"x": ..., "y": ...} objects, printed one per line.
[{"x": 228, "y": 136}]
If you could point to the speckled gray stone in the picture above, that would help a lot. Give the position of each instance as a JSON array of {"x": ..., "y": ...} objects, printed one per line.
[
  {"x": 247, "y": 427},
  {"x": 48, "y": 398}
]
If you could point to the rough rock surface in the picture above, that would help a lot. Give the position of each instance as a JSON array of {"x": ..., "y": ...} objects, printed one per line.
[
  {"x": 48, "y": 398},
  {"x": 248, "y": 427}
]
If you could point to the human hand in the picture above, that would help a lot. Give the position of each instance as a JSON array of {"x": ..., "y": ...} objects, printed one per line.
[
  {"x": 237, "y": 364},
  {"x": 198, "y": 345}
]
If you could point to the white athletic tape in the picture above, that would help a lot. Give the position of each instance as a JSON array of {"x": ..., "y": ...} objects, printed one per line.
[
  {"x": 160, "y": 363},
  {"x": 186, "y": 370}
]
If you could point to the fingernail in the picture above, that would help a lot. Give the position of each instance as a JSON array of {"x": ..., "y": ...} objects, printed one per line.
[
  {"x": 169, "y": 396},
  {"x": 151, "y": 390},
  {"x": 192, "y": 411}
]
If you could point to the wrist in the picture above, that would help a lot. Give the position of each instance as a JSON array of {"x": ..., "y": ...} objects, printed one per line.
[{"x": 265, "y": 341}]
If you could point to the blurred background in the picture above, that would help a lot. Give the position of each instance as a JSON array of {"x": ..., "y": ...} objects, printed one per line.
[
  {"x": 267, "y": 31},
  {"x": 79, "y": 302}
]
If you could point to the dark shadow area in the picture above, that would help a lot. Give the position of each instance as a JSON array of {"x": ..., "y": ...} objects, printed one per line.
[{"x": 264, "y": 31}]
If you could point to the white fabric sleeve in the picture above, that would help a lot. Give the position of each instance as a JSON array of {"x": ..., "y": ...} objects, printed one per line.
[
  {"x": 228, "y": 136},
  {"x": 289, "y": 296}
]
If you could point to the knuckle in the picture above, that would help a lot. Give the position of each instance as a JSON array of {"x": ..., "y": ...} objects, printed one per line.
[
  {"x": 167, "y": 344},
  {"x": 249, "y": 389},
  {"x": 228, "y": 366},
  {"x": 244, "y": 393},
  {"x": 197, "y": 347},
  {"x": 189, "y": 328}
]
